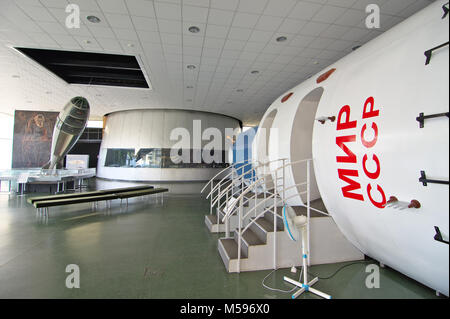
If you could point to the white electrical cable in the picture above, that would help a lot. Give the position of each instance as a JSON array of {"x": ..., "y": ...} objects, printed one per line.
[{"x": 279, "y": 290}]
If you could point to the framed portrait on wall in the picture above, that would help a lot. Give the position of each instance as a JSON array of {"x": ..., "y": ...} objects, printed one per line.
[{"x": 32, "y": 140}]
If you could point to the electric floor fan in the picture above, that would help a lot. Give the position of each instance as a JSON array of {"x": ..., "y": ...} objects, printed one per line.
[{"x": 296, "y": 228}]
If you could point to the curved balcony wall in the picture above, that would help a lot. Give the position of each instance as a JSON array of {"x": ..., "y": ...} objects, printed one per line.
[{"x": 137, "y": 145}]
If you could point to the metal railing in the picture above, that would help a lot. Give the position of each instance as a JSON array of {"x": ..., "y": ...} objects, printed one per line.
[
  {"x": 231, "y": 182},
  {"x": 270, "y": 198}
]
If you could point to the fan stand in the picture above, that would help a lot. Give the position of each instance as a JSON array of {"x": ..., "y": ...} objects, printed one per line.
[{"x": 305, "y": 286}]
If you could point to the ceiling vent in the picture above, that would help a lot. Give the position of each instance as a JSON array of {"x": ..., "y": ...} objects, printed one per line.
[{"x": 90, "y": 68}]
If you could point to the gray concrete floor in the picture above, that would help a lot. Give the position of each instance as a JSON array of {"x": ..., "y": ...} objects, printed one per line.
[{"x": 148, "y": 250}]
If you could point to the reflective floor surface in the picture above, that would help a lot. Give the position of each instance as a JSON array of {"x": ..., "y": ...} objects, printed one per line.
[{"x": 148, "y": 250}]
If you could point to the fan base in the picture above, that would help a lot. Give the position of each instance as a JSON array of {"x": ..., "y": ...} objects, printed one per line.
[{"x": 307, "y": 287}]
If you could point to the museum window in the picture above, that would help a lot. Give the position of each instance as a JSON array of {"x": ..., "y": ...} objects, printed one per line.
[
  {"x": 120, "y": 157},
  {"x": 159, "y": 158}
]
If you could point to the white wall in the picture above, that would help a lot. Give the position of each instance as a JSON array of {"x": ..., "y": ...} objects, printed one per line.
[
  {"x": 151, "y": 129},
  {"x": 6, "y": 136}
]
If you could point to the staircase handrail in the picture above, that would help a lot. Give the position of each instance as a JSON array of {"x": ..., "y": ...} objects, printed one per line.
[
  {"x": 256, "y": 165},
  {"x": 247, "y": 190},
  {"x": 225, "y": 178},
  {"x": 214, "y": 178}
]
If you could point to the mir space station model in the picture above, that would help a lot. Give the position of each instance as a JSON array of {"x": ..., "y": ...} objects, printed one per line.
[
  {"x": 69, "y": 126},
  {"x": 376, "y": 125}
]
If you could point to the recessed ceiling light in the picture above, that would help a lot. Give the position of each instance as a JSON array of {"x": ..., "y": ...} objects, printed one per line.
[
  {"x": 194, "y": 29},
  {"x": 191, "y": 67},
  {"x": 281, "y": 39},
  {"x": 93, "y": 19},
  {"x": 255, "y": 72}
]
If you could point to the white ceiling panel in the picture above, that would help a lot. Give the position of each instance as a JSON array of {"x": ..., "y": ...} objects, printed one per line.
[
  {"x": 119, "y": 20},
  {"x": 351, "y": 18},
  {"x": 220, "y": 17},
  {"x": 144, "y": 23},
  {"x": 53, "y": 28},
  {"x": 142, "y": 8},
  {"x": 292, "y": 26},
  {"x": 113, "y": 6},
  {"x": 261, "y": 36},
  {"x": 38, "y": 13},
  {"x": 198, "y": 3},
  {"x": 314, "y": 29},
  {"x": 101, "y": 32},
  {"x": 217, "y": 31},
  {"x": 169, "y": 26},
  {"x": 66, "y": 41},
  {"x": 170, "y": 11},
  {"x": 226, "y": 5},
  {"x": 245, "y": 20},
  {"x": 54, "y": 3},
  {"x": 195, "y": 14},
  {"x": 126, "y": 34},
  {"x": 242, "y": 34},
  {"x": 111, "y": 45},
  {"x": 190, "y": 40},
  {"x": 279, "y": 8},
  {"x": 235, "y": 38},
  {"x": 252, "y": 6},
  {"x": 304, "y": 10},
  {"x": 268, "y": 23},
  {"x": 149, "y": 36},
  {"x": 329, "y": 14},
  {"x": 86, "y": 5}
]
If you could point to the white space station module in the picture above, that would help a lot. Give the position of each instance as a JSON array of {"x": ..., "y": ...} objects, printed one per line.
[
  {"x": 376, "y": 125},
  {"x": 69, "y": 126}
]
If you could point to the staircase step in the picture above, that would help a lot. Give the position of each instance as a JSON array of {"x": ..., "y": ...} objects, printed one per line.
[
  {"x": 301, "y": 210},
  {"x": 213, "y": 219},
  {"x": 269, "y": 217},
  {"x": 252, "y": 195},
  {"x": 268, "y": 225},
  {"x": 245, "y": 201},
  {"x": 262, "y": 226},
  {"x": 231, "y": 248},
  {"x": 251, "y": 238}
]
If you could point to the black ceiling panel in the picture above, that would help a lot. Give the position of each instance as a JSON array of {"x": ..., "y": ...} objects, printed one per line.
[{"x": 90, "y": 68}]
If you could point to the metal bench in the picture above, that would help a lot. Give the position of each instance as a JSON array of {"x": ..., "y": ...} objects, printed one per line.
[
  {"x": 126, "y": 195},
  {"x": 32, "y": 200},
  {"x": 42, "y": 206}
]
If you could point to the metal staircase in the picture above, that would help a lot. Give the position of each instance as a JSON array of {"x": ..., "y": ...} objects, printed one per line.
[
  {"x": 224, "y": 189},
  {"x": 247, "y": 207}
]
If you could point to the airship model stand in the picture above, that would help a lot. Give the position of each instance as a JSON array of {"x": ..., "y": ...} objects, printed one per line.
[{"x": 69, "y": 126}]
